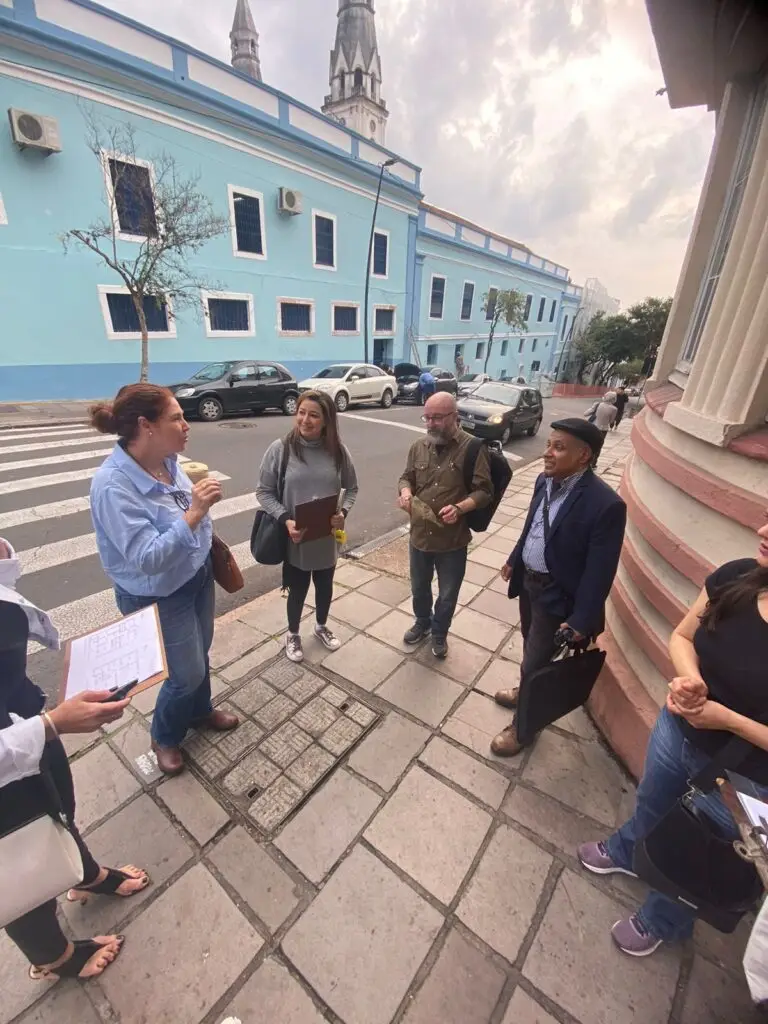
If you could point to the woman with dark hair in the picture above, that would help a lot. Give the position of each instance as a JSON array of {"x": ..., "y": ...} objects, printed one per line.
[
  {"x": 318, "y": 466},
  {"x": 154, "y": 535},
  {"x": 720, "y": 652}
]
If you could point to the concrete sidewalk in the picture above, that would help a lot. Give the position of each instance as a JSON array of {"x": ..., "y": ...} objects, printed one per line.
[
  {"x": 422, "y": 880},
  {"x": 15, "y": 415}
]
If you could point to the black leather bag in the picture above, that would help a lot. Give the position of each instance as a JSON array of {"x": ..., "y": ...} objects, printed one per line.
[
  {"x": 555, "y": 690},
  {"x": 269, "y": 539}
]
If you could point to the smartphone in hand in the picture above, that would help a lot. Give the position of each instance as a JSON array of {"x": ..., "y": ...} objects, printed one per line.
[{"x": 121, "y": 692}]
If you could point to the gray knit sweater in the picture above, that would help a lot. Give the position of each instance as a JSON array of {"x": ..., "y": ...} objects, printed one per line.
[{"x": 315, "y": 477}]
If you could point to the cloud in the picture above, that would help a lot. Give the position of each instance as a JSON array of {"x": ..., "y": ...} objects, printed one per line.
[{"x": 536, "y": 118}]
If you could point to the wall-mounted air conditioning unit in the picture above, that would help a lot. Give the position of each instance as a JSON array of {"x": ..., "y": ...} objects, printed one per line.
[
  {"x": 33, "y": 131},
  {"x": 290, "y": 201}
]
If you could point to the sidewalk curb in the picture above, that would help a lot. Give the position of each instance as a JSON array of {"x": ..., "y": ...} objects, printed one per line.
[
  {"x": 28, "y": 424},
  {"x": 378, "y": 542}
]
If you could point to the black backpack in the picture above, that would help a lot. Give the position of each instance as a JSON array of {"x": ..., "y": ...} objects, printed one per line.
[{"x": 501, "y": 474}]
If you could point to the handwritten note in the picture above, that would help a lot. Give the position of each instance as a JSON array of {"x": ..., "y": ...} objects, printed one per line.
[{"x": 116, "y": 654}]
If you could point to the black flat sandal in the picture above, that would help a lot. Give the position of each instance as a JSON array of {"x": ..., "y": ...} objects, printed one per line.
[
  {"x": 108, "y": 887},
  {"x": 84, "y": 950}
]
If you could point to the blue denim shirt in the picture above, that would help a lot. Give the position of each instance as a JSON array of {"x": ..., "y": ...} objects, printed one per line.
[
  {"x": 535, "y": 543},
  {"x": 146, "y": 547}
]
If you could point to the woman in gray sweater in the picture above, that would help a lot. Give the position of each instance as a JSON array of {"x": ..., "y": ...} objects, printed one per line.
[{"x": 318, "y": 466}]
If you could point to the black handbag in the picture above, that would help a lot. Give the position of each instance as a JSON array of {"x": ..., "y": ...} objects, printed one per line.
[
  {"x": 686, "y": 856},
  {"x": 269, "y": 539},
  {"x": 555, "y": 690}
]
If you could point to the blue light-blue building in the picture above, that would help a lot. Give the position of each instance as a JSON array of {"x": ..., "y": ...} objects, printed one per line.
[{"x": 289, "y": 286}]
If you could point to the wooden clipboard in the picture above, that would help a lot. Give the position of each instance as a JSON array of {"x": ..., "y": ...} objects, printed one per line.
[
  {"x": 144, "y": 684},
  {"x": 315, "y": 517}
]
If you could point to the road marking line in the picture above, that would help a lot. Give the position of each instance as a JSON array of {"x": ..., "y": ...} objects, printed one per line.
[
  {"x": 18, "y": 435},
  {"x": 407, "y": 426},
  {"x": 31, "y": 483},
  {"x": 39, "y": 513},
  {"x": 97, "y": 453},
  {"x": 42, "y": 443},
  {"x": 81, "y": 616}
]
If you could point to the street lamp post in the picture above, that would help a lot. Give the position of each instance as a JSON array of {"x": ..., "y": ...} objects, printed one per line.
[{"x": 387, "y": 163}]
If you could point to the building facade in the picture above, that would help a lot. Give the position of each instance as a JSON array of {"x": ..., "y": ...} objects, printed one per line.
[
  {"x": 287, "y": 280},
  {"x": 696, "y": 485}
]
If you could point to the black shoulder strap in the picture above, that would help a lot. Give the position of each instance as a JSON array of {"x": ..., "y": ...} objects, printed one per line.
[
  {"x": 470, "y": 462},
  {"x": 283, "y": 469},
  {"x": 730, "y": 756}
]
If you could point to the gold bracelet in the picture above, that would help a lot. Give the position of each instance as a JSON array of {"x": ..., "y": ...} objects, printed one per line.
[{"x": 49, "y": 722}]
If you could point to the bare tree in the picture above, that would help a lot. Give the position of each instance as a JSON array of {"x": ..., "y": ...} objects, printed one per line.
[
  {"x": 507, "y": 305},
  {"x": 157, "y": 219}
]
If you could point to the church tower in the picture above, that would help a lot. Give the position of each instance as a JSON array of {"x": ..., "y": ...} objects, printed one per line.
[
  {"x": 355, "y": 98},
  {"x": 245, "y": 42}
]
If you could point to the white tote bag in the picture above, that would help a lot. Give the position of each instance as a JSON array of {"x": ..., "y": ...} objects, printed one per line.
[{"x": 43, "y": 860}]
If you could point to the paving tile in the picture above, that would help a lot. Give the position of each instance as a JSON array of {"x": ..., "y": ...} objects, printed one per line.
[
  {"x": 384, "y": 754},
  {"x": 364, "y": 662},
  {"x": 232, "y": 640},
  {"x": 512, "y": 650},
  {"x": 165, "y": 981},
  {"x": 194, "y": 806},
  {"x": 499, "y": 544},
  {"x": 139, "y": 834},
  {"x": 524, "y": 1010},
  {"x": 715, "y": 997},
  {"x": 483, "y": 782},
  {"x": 251, "y": 775},
  {"x": 316, "y": 716},
  {"x": 327, "y": 824},
  {"x": 315, "y": 652},
  {"x": 474, "y": 724},
  {"x": 362, "y": 940},
  {"x": 423, "y": 693},
  {"x": 342, "y": 735},
  {"x": 387, "y": 590},
  {"x": 101, "y": 784},
  {"x": 282, "y": 674},
  {"x": 498, "y": 606},
  {"x": 431, "y": 832},
  {"x": 480, "y": 574},
  {"x": 275, "y": 804},
  {"x": 579, "y": 773},
  {"x": 484, "y": 556},
  {"x": 499, "y": 586},
  {"x": 510, "y": 533},
  {"x": 573, "y": 961},
  {"x": 479, "y": 628},
  {"x": 462, "y": 988},
  {"x": 358, "y": 610},
  {"x": 350, "y": 575},
  {"x": 270, "y": 893},
  {"x": 464, "y": 662},
  {"x": 145, "y": 701},
  {"x": 268, "y": 614},
  {"x": 500, "y": 675},
  {"x": 727, "y": 950},
  {"x": 391, "y": 628},
  {"x": 18, "y": 990},
  {"x": 275, "y": 712},
  {"x": 65, "y": 1005},
  {"x": 579, "y": 724},
  {"x": 468, "y": 592},
  {"x": 548, "y": 819},
  {"x": 234, "y": 743},
  {"x": 251, "y": 662},
  {"x": 285, "y": 744},
  {"x": 309, "y": 767},
  {"x": 272, "y": 996},
  {"x": 135, "y": 744}
]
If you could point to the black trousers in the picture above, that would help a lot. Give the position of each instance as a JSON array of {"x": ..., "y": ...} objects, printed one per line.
[
  {"x": 538, "y": 627},
  {"x": 38, "y": 933},
  {"x": 297, "y": 581}
]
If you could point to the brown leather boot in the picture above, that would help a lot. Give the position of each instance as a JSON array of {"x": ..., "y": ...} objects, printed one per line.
[
  {"x": 219, "y": 721},
  {"x": 506, "y": 744},
  {"x": 507, "y": 698},
  {"x": 169, "y": 759}
]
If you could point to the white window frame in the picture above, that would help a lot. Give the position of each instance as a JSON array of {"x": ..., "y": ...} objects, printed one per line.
[
  {"x": 468, "y": 319},
  {"x": 433, "y": 344},
  {"x": 237, "y": 297},
  {"x": 324, "y": 266},
  {"x": 385, "y": 276},
  {"x": 113, "y": 335},
  {"x": 106, "y": 156},
  {"x": 444, "y": 279},
  {"x": 3, "y": 214},
  {"x": 302, "y": 302},
  {"x": 386, "y": 334},
  {"x": 344, "y": 305},
  {"x": 231, "y": 189},
  {"x": 478, "y": 345}
]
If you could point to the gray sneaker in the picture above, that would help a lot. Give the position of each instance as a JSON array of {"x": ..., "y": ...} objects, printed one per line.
[
  {"x": 595, "y": 858},
  {"x": 416, "y": 633},
  {"x": 293, "y": 649},
  {"x": 440, "y": 647},
  {"x": 633, "y": 938}
]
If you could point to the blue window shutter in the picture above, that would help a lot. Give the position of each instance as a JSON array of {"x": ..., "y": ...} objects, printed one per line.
[
  {"x": 296, "y": 316},
  {"x": 504, "y": 347},
  {"x": 228, "y": 315},
  {"x": 134, "y": 201},
  {"x": 466, "y": 302},
  {"x": 380, "y": 254},
  {"x": 125, "y": 319},
  {"x": 385, "y": 320},
  {"x": 437, "y": 298},
  {"x": 248, "y": 224},
  {"x": 324, "y": 242},
  {"x": 553, "y": 310},
  {"x": 345, "y": 318},
  {"x": 542, "y": 306}
]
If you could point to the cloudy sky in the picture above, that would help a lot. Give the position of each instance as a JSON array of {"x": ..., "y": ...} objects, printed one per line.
[{"x": 536, "y": 118}]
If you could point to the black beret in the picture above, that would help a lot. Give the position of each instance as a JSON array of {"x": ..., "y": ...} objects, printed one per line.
[{"x": 584, "y": 430}]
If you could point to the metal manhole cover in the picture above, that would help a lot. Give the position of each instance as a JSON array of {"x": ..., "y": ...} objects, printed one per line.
[{"x": 295, "y": 728}]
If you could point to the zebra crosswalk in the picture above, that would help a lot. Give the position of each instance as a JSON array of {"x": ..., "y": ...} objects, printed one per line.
[{"x": 54, "y": 539}]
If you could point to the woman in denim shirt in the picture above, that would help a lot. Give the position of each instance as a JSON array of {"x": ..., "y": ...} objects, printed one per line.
[{"x": 154, "y": 537}]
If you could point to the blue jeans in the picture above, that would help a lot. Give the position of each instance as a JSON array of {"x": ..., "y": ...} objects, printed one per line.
[
  {"x": 670, "y": 762},
  {"x": 186, "y": 618},
  {"x": 450, "y": 566}
]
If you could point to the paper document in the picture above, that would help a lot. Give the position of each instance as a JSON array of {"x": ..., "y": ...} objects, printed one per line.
[
  {"x": 757, "y": 812},
  {"x": 129, "y": 649}
]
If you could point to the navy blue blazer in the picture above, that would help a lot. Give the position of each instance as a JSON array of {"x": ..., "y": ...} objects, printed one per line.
[{"x": 582, "y": 553}]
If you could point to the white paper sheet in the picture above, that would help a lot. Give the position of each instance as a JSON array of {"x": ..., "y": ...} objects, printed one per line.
[
  {"x": 116, "y": 654},
  {"x": 756, "y": 811}
]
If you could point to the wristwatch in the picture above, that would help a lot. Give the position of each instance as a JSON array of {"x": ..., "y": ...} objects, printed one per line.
[{"x": 458, "y": 510}]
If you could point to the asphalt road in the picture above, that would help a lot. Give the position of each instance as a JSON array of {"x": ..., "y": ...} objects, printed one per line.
[{"x": 48, "y": 522}]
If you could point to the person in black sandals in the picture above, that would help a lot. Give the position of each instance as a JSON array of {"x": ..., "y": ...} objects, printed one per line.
[
  {"x": 29, "y": 736},
  {"x": 318, "y": 466}
]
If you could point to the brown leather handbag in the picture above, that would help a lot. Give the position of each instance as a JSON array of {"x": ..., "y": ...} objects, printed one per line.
[{"x": 226, "y": 571}]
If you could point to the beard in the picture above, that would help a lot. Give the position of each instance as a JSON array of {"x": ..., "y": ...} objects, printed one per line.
[{"x": 435, "y": 436}]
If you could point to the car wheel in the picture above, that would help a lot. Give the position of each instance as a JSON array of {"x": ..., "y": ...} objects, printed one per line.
[
  {"x": 386, "y": 399},
  {"x": 506, "y": 435},
  {"x": 342, "y": 401},
  {"x": 533, "y": 431},
  {"x": 210, "y": 409},
  {"x": 290, "y": 403}
]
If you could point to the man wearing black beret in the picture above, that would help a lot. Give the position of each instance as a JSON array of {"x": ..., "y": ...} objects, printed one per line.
[{"x": 563, "y": 566}]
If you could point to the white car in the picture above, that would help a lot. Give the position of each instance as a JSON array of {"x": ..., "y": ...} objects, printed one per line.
[{"x": 349, "y": 383}]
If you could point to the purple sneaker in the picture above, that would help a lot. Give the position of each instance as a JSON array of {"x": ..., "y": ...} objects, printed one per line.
[
  {"x": 633, "y": 938},
  {"x": 595, "y": 858}
]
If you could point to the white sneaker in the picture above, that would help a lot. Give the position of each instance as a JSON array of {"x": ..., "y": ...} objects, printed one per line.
[
  {"x": 326, "y": 637},
  {"x": 293, "y": 648}
]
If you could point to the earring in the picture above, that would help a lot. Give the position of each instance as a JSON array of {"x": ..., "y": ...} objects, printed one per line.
[{"x": 150, "y": 433}]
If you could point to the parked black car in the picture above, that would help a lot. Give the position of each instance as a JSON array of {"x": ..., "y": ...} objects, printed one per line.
[
  {"x": 407, "y": 377},
  {"x": 237, "y": 386},
  {"x": 498, "y": 411}
]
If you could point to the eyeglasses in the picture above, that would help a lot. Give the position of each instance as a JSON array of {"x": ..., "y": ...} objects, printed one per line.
[
  {"x": 437, "y": 417},
  {"x": 182, "y": 500}
]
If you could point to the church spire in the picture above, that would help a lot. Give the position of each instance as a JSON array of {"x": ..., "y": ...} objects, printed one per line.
[
  {"x": 355, "y": 76},
  {"x": 245, "y": 42}
]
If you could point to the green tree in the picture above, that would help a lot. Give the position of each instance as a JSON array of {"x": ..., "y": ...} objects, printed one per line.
[
  {"x": 507, "y": 305},
  {"x": 610, "y": 345}
]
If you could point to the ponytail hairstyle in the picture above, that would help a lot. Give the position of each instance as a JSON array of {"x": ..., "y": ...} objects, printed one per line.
[
  {"x": 331, "y": 440},
  {"x": 132, "y": 403},
  {"x": 735, "y": 596}
]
